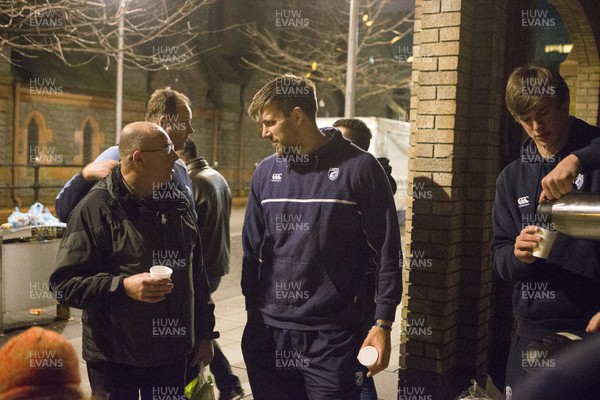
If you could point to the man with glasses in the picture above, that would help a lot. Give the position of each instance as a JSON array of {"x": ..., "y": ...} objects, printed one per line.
[
  {"x": 169, "y": 109},
  {"x": 141, "y": 333}
]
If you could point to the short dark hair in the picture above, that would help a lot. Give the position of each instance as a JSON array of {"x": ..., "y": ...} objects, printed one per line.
[
  {"x": 528, "y": 84},
  {"x": 164, "y": 102},
  {"x": 285, "y": 93},
  {"x": 357, "y": 131},
  {"x": 190, "y": 151}
]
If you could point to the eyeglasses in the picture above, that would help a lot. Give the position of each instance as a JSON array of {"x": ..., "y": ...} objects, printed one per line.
[{"x": 166, "y": 150}]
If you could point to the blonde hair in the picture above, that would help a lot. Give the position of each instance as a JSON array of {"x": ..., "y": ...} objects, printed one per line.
[{"x": 529, "y": 84}]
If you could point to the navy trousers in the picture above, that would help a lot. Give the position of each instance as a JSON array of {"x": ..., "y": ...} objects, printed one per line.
[{"x": 294, "y": 364}]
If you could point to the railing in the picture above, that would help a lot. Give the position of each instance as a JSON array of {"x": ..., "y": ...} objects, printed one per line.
[
  {"x": 17, "y": 177},
  {"x": 24, "y": 181}
]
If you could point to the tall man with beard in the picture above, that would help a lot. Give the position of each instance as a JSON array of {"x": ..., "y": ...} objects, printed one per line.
[{"x": 320, "y": 219}]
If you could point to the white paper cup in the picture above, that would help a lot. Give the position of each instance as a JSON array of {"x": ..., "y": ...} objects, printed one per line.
[
  {"x": 544, "y": 247},
  {"x": 368, "y": 356},
  {"x": 160, "y": 271}
]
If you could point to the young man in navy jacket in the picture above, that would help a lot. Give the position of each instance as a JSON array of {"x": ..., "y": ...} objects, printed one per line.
[
  {"x": 561, "y": 293},
  {"x": 320, "y": 219}
]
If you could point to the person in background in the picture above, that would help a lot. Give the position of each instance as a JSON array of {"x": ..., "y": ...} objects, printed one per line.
[
  {"x": 166, "y": 107},
  {"x": 142, "y": 334},
  {"x": 212, "y": 198},
  {"x": 320, "y": 218},
  {"x": 359, "y": 133},
  {"x": 560, "y": 293},
  {"x": 39, "y": 364}
]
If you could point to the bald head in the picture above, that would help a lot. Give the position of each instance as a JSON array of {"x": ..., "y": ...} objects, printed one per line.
[
  {"x": 147, "y": 157},
  {"x": 135, "y": 136}
]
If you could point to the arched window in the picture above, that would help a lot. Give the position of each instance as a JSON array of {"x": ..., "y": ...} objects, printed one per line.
[
  {"x": 88, "y": 139},
  {"x": 88, "y": 136},
  {"x": 33, "y": 139}
]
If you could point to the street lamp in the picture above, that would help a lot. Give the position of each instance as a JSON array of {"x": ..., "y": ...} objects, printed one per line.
[
  {"x": 351, "y": 66},
  {"x": 119, "y": 94}
]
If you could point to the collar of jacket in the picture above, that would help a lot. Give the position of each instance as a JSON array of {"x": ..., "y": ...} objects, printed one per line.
[
  {"x": 197, "y": 164},
  {"x": 128, "y": 203},
  {"x": 336, "y": 140}
]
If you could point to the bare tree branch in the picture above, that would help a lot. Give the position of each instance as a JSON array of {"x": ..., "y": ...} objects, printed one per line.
[
  {"x": 283, "y": 46},
  {"x": 158, "y": 33}
]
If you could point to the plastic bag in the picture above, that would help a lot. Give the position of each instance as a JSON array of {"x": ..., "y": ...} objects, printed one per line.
[
  {"x": 35, "y": 214},
  {"x": 201, "y": 388},
  {"x": 18, "y": 219}
]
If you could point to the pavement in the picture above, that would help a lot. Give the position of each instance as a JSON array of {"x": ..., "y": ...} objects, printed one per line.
[{"x": 230, "y": 320}]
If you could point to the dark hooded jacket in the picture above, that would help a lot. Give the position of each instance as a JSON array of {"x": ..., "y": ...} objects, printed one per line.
[
  {"x": 315, "y": 226},
  {"x": 561, "y": 293}
]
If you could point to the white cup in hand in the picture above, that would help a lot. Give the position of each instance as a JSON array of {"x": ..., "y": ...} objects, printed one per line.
[
  {"x": 543, "y": 248},
  {"x": 368, "y": 356},
  {"x": 160, "y": 271}
]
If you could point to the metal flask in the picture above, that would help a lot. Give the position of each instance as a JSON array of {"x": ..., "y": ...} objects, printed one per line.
[{"x": 576, "y": 215}]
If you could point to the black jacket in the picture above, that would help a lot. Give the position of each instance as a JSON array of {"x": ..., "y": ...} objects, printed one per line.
[
  {"x": 110, "y": 236},
  {"x": 562, "y": 292},
  {"x": 213, "y": 206}
]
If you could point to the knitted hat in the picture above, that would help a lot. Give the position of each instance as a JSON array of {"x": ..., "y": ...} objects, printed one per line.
[{"x": 39, "y": 363}]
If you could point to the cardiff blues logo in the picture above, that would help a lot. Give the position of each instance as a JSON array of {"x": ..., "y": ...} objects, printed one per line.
[
  {"x": 334, "y": 173},
  {"x": 579, "y": 181},
  {"x": 359, "y": 378}
]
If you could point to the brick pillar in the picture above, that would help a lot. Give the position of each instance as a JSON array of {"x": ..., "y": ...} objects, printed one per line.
[{"x": 457, "y": 120}]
